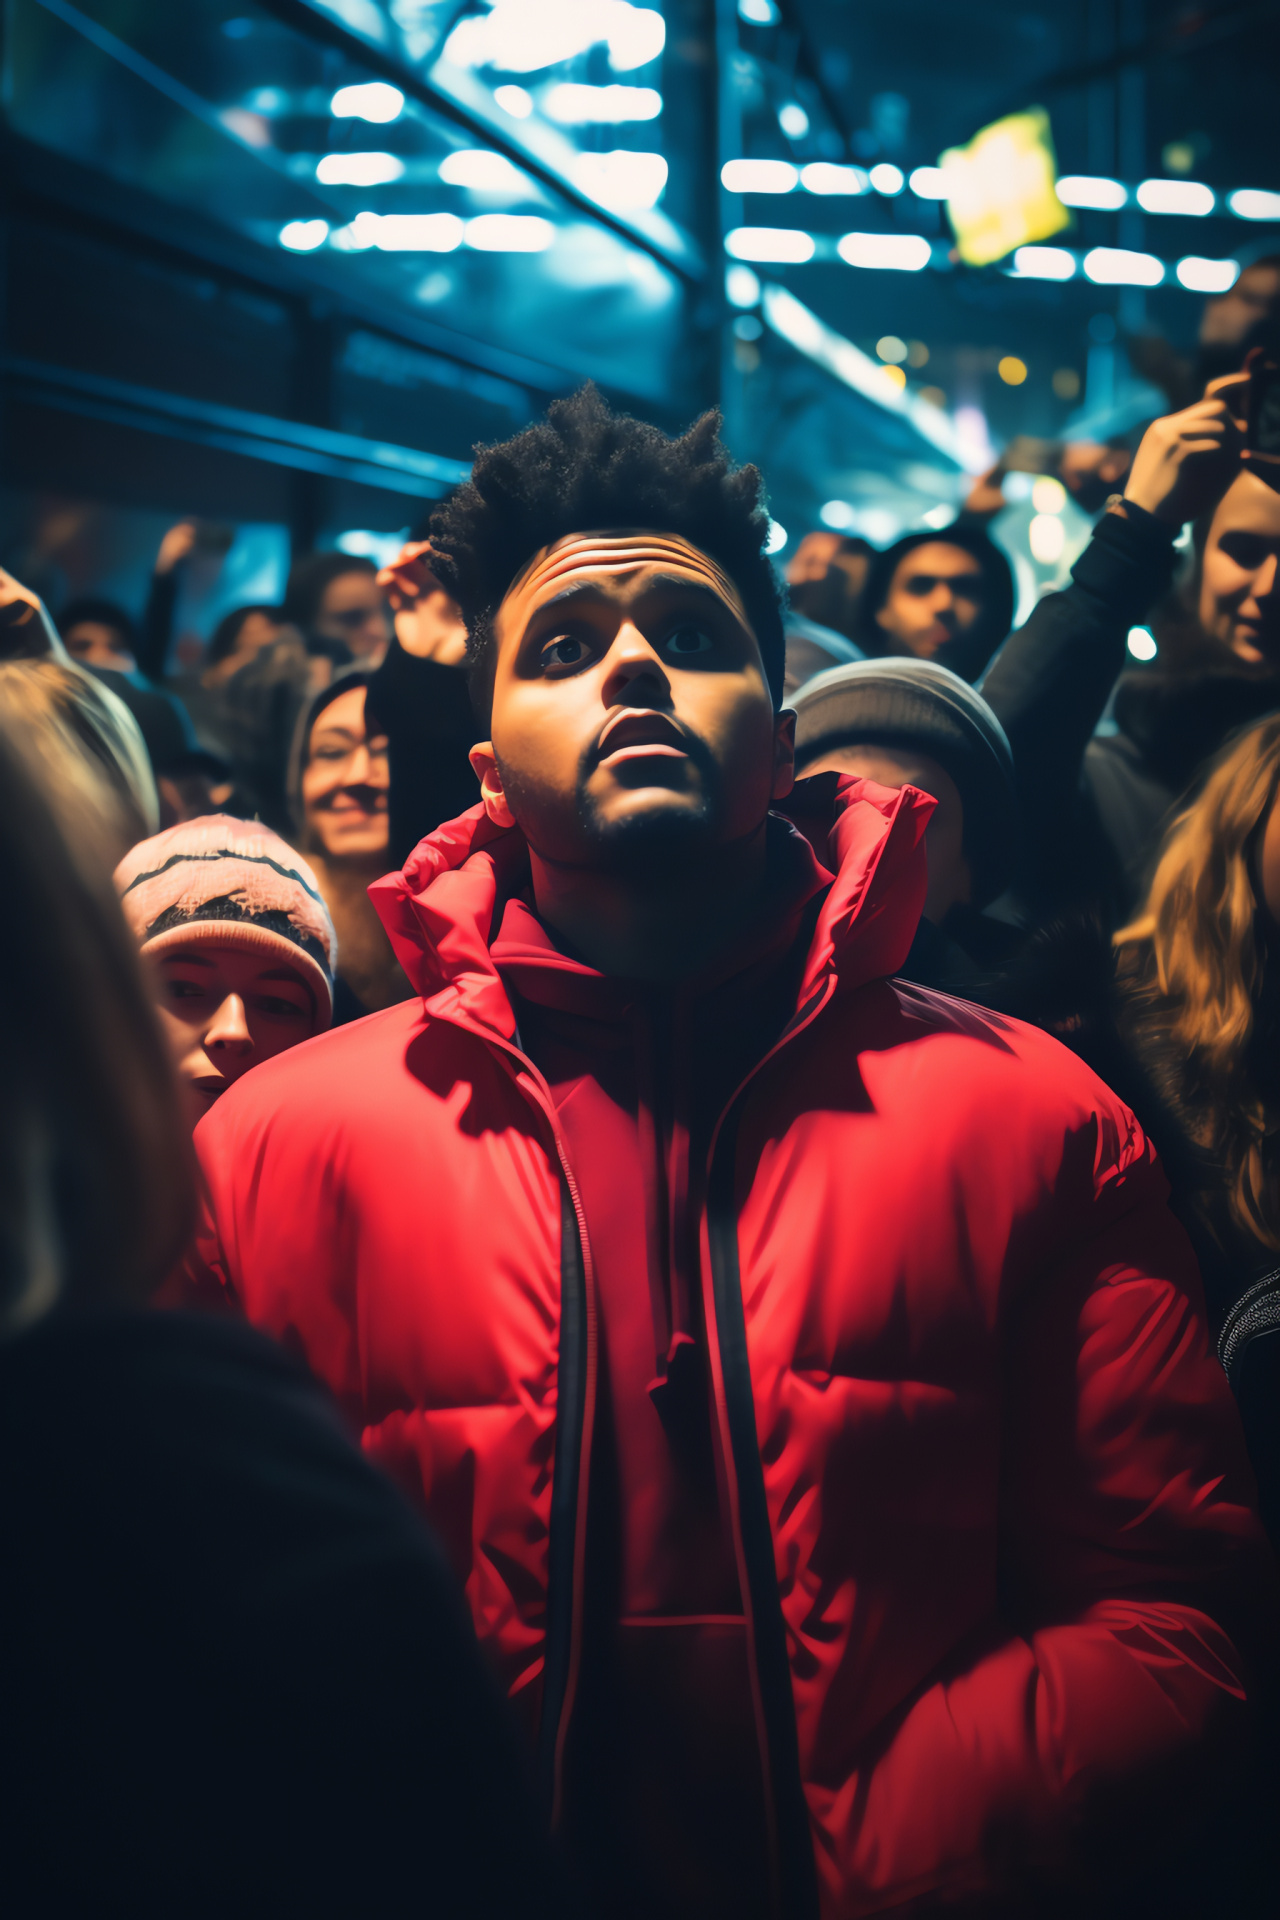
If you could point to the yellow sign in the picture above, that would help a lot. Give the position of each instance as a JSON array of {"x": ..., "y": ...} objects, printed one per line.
[{"x": 1000, "y": 188}]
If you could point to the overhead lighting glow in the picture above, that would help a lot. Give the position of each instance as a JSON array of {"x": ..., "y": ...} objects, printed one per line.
[
  {"x": 515, "y": 101},
  {"x": 375, "y": 101},
  {"x": 905, "y": 252},
  {"x": 1000, "y": 188},
  {"x": 1012, "y": 370},
  {"x": 886, "y": 178},
  {"x": 1119, "y": 267},
  {"x": 776, "y": 539},
  {"x": 1251, "y": 203},
  {"x": 891, "y": 348},
  {"x": 793, "y": 120},
  {"x": 1142, "y": 643},
  {"x": 1044, "y": 263},
  {"x": 509, "y": 233},
  {"x": 838, "y": 515},
  {"x": 358, "y": 169},
  {"x": 1090, "y": 190},
  {"x": 409, "y": 232},
  {"x": 304, "y": 236},
  {"x": 769, "y": 243},
  {"x": 1047, "y": 537},
  {"x": 896, "y": 378},
  {"x": 519, "y": 37},
  {"x": 1048, "y": 495},
  {"x": 758, "y": 176},
  {"x": 928, "y": 183},
  {"x": 1207, "y": 276},
  {"x": 480, "y": 168},
  {"x": 741, "y": 287},
  {"x": 573, "y": 104},
  {"x": 758, "y": 13},
  {"x": 1175, "y": 196},
  {"x": 821, "y": 176},
  {"x": 623, "y": 180},
  {"x": 940, "y": 516}
]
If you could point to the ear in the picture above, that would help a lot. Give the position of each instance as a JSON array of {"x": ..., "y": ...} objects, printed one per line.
[
  {"x": 484, "y": 763},
  {"x": 784, "y": 754}
]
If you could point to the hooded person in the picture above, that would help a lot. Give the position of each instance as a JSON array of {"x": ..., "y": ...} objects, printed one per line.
[
  {"x": 938, "y": 596},
  {"x": 912, "y": 722},
  {"x": 803, "y": 1369},
  {"x": 239, "y": 943}
]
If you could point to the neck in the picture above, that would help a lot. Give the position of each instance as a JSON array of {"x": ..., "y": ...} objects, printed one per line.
[{"x": 665, "y": 926}]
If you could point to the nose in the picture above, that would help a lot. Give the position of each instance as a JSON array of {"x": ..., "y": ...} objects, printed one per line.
[
  {"x": 1264, "y": 585},
  {"x": 634, "y": 672},
  {"x": 228, "y": 1031}
]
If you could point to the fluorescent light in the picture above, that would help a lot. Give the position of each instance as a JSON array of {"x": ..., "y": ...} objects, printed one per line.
[
  {"x": 1142, "y": 643},
  {"x": 577, "y": 105},
  {"x": 1118, "y": 267},
  {"x": 1252, "y": 203},
  {"x": 409, "y": 232},
  {"x": 1047, "y": 537},
  {"x": 515, "y": 101},
  {"x": 821, "y": 176},
  {"x": 636, "y": 36},
  {"x": 1043, "y": 263},
  {"x": 886, "y": 178},
  {"x": 509, "y": 233},
  {"x": 1175, "y": 196},
  {"x": 1088, "y": 190},
  {"x": 906, "y": 252},
  {"x": 304, "y": 236},
  {"x": 928, "y": 183},
  {"x": 358, "y": 169},
  {"x": 769, "y": 243},
  {"x": 624, "y": 180},
  {"x": 478, "y": 167},
  {"x": 741, "y": 287},
  {"x": 758, "y": 176},
  {"x": 375, "y": 101},
  {"x": 838, "y": 515},
  {"x": 758, "y": 13},
  {"x": 1207, "y": 276},
  {"x": 776, "y": 539},
  {"x": 360, "y": 234},
  {"x": 793, "y": 120}
]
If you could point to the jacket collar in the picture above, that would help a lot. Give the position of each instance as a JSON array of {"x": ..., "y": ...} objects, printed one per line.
[{"x": 444, "y": 908}]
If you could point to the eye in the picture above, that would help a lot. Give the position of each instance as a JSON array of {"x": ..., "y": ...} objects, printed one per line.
[
  {"x": 566, "y": 651},
  {"x": 185, "y": 990},
  {"x": 279, "y": 1009},
  {"x": 687, "y": 640}
]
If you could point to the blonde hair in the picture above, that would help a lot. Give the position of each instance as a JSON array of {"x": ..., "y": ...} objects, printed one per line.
[
  {"x": 1192, "y": 968},
  {"x": 84, "y": 746}
]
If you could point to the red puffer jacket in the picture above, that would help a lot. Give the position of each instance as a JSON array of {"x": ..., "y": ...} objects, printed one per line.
[{"x": 987, "y": 1492}]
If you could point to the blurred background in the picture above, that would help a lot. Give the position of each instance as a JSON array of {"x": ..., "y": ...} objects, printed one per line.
[{"x": 278, "y": 267}]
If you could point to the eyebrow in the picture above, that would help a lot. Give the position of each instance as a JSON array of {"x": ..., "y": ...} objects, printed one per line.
[
  {"x": 285, "y": 973},
  {"x": 190, "y": 960}
]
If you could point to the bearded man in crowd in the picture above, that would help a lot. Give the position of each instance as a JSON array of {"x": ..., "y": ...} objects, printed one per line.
[{"x": 801, "y": 1368}]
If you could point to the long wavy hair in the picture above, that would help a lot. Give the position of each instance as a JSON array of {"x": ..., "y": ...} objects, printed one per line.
[{"x": 1197, "y": 1003}]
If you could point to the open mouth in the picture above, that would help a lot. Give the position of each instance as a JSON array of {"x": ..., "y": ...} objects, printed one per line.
[{"x": 640, "y": 735}]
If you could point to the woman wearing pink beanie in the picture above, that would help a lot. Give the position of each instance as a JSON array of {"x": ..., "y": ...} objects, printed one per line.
[{"x": 240, "y": 942}]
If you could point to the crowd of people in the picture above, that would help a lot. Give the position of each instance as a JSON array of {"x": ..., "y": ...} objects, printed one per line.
[{"x": 701, "y": 1154}]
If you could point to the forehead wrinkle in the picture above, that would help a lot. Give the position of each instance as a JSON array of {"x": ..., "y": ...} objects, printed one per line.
[{"x": 626, "y": 554}]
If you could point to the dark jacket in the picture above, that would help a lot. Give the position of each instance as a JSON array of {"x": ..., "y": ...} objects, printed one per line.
[
  {"x": 431, "y": 727},
  {"x": 237, "y": 1676}
]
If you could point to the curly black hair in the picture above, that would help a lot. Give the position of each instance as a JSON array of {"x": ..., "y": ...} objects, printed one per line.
[{"x": 582, "y": 469}]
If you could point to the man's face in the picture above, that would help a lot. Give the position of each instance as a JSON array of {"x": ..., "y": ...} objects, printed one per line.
[
  {"x": 950, "y": 881},
  {"x": 631, "y": 714},
  {"x": 346, "y": 782},
  {"x": 353, "y": 610},
  {"x": 936, "y": 595},
  {"x": 1239, "y": 596},
  {"x": 225, "y": 1008},
  {"x": 94, "y": 644}
]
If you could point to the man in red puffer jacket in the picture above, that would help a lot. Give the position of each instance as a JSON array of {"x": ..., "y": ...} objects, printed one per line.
[{"x": 801, "y": 1368}]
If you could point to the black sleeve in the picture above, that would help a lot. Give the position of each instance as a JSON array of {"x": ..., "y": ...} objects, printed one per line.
[
  {"x": 157, "y": 625},
  {"x": 431, "y": 727},
  {"x": 1051, "y": 680}
]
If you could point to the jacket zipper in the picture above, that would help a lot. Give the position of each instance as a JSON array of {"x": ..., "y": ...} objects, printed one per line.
[{"x": 795, "y": 1884}]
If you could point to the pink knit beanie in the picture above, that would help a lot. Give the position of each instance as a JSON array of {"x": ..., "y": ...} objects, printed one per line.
[{"x": 235, "y": 882}]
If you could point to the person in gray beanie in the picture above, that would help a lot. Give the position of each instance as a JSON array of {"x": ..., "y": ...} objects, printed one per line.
[{"x": 911, "y": 722}]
